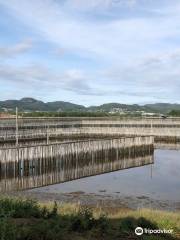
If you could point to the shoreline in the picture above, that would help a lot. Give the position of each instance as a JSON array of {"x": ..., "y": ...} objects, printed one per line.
[{"x": 101, "y": 200}]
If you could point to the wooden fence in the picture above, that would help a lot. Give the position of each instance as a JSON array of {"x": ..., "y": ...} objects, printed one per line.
[
  {"x": 72, "y": 148},
  {"x": 12, "y": 182},
  {"x": 47, "y": 128}
]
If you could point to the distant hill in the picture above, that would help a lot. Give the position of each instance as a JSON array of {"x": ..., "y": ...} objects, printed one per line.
[
  {"x": 64, "y": 106},
  {"x": 23, "y": 104},
  {"x": 110, "y": 106},
  {"x": 162, "y": 107},
  {"x": 31, "y": 104}
]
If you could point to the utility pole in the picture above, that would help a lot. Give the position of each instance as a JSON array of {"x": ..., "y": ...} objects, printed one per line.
[{"x": 17, "y": 131}]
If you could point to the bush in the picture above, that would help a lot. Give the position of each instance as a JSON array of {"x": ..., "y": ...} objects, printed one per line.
[
  {"x": 127, "y": 224},
  {"x": 44, "y": 230},
  {"x": 103, "y": 224},
  {"x": 54, "y": 211},
  {"x": 8, "y": 230},
  {"x": 19, "y": 208},
  {"x": 83, "y": 220},
  {"x": 144, "y": 223}
]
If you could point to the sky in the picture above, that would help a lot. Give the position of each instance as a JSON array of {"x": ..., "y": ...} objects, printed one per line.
[{"x": 90, "y": 52}]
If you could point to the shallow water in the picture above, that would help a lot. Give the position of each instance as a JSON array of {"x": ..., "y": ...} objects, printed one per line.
[{"x": 160, "y": 180}]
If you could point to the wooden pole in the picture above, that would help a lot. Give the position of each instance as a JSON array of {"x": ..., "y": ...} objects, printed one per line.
[
  {"x": 151, "y": 171},
  {"x": 16, "y": 126},
  {"x": 47, "y": 134},
  {"x": 151, "y": 127}
]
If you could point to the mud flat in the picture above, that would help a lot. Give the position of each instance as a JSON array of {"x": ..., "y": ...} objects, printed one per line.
[{"x": 101, "y": 200}]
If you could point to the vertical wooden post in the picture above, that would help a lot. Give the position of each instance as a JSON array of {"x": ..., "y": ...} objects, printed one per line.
[
  {"x": 152, "y": 166},
  {"x": 151, "y": 171},
  {"x": 17, "y": 142},
  {"x": 47, "y": 134},
  {"x": 151, "y": 127}
]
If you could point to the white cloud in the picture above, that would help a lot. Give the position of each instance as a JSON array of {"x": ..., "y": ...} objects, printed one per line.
[
  {"x": 11, "y": 51},
  {"x": 141, "y": 50},
  {"x": 34, "y": 76},
  {"x": 98, "y": 4},
  {"x": 113, "y": 39},
  {"x": 171, "y": 58},
  {"x": 156, "y": 76}
]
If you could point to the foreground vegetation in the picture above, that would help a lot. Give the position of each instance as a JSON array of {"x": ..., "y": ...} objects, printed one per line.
[{"x": 27, "y": 219}]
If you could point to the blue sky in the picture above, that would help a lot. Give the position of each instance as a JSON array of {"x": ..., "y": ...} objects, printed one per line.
[{"x": 90, "y": 52}]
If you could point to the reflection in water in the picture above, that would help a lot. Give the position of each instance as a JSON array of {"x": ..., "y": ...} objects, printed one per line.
[
  {"x": 167, "y": 146},
  {"x": 19, "y": 175},
  {"x": 134, "y": 182}
]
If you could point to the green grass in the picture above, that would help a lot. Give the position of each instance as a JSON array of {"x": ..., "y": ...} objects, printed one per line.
[{"x": 29, "y": 220}]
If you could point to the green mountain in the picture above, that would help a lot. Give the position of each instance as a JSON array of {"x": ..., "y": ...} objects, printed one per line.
[
  {"x": 64, "y": 106},
  {"x": 31, "y": 104},
  {"x": 162, "y": 107},
  {"x": 24, "y": 104},
  {"x": 112, "y": 106}
]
